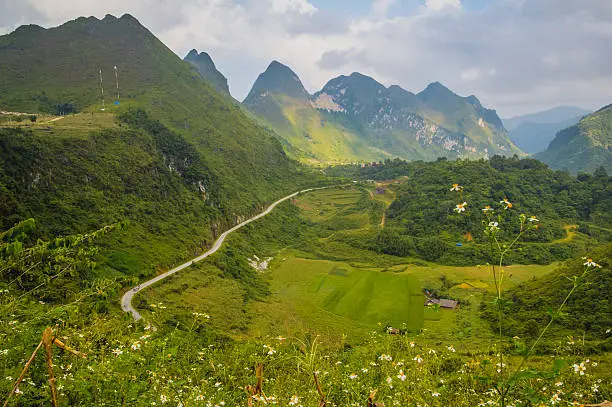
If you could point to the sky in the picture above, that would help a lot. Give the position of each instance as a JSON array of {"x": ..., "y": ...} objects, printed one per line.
[{"x": 516, "y": 56}]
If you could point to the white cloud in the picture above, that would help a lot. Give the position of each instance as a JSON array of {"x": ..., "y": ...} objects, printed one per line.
[
  {"x": 515, "y": 55},
  {"x": 299, "y": 6},
  {"x": 437, "y": 5}
]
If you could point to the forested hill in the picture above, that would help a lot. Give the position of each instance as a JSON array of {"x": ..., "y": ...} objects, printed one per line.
[{"x": 422, "y": 217}]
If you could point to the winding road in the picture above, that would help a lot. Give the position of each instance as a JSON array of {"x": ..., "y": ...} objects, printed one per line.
[{"x": 126, "y": 300}]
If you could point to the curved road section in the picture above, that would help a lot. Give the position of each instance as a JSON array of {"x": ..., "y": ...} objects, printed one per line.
[{"x": 126, "y": 300}]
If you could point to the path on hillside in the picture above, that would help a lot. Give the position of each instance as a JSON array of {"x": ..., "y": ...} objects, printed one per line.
[
  {"x": 570, "y": 232},
  {"x": 126, "y": 300}
]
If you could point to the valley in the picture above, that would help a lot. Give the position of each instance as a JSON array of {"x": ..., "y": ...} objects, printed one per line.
[{"x": 163, "y": 243}]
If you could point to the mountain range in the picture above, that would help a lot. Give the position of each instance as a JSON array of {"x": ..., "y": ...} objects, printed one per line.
[
  {"x": 533, "y": 132},
  {"x": 357, "y": 118},
  {"x": 583, "y": 147}
]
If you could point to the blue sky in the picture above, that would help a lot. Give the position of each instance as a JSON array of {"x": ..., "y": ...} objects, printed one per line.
[{"x": 516, "y": 56}]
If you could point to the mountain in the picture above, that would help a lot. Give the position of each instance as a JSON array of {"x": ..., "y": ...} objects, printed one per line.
[
  {"x": 533, "y": 132},
  {"x": 206, "y": 67},
  {"x": 554, "y": 115},
  {"x": 357, "y": 118},
  {"x": 584, "y": 146},
  {"x": 280, "y": 101},
  {"x": 277, "y": 78},
  {"x": 171, "y": 137}
]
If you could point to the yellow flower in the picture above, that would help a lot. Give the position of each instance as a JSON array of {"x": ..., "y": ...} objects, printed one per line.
[{"x": 457, "y": 187}]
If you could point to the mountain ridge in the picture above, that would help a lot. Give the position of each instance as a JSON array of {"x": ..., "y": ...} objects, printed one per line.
[{"x": 364, "y": 120}]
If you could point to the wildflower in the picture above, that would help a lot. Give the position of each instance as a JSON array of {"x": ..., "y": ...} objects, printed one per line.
[
  {"x": 218, "y": 384},
  {"x": 353, "y": 376},
  {"x": 280, "y": 338},
  {"x": 117, "y": 352},
  {"x": 145, "y": 337},
  {"x": 163, "y": 399},
  {"x": 507, "y": 204},
  {"x": 460, "y": 207},
  {"x": 559, "y": 384},
  {"x": 590, "y": 263},
  {"x": 388, "y": 358},
  {"x": 412, "y": 344},
  {"x": 17, "y": 391},
  {"x": 451, "y": 348},
  {"x": 136, "y": 345},
  {"x": 271, "y": 350},
  {"x": 418, "y": 359},
  {"x": 435, "y": 394},
  {"x": 555, "y": 399},
  {"x": 431, "y": 351},
  {"x": 389, "y": 380},
  {"x": 151, "y": 327},
  {"x": 364, "y": 370},
  {"x": 401, "y": 375},
  {"x": 9, "y": 378},
  {"x": 200, "y": 397},
  {"x": 533, "y": 219},
  {"x": 579, "y": 368},
  {"x": 493, "y": 226},
  {"x": 294, "y": 401},
  {"x": 457, "y": 187}
]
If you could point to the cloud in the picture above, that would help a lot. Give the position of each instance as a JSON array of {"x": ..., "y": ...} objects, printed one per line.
[
  {"x": 515, "y": 55},
  {"x": 437, "y": 5}
]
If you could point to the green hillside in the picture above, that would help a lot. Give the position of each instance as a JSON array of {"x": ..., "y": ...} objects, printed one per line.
[
  {"x": 57, "y": 70},
  {"x": 585, "y": 146},
  {"x": 530, "y": 299},
  {"x": 177, "y": 159}
]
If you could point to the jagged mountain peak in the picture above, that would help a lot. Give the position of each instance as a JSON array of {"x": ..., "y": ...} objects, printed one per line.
[
  {"x": 278, "y": 79},
  {"x": 207, "y": 69}
]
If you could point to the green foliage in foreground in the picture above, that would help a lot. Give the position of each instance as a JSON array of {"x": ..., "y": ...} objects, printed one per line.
[{"x": 142, "y": 364}]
